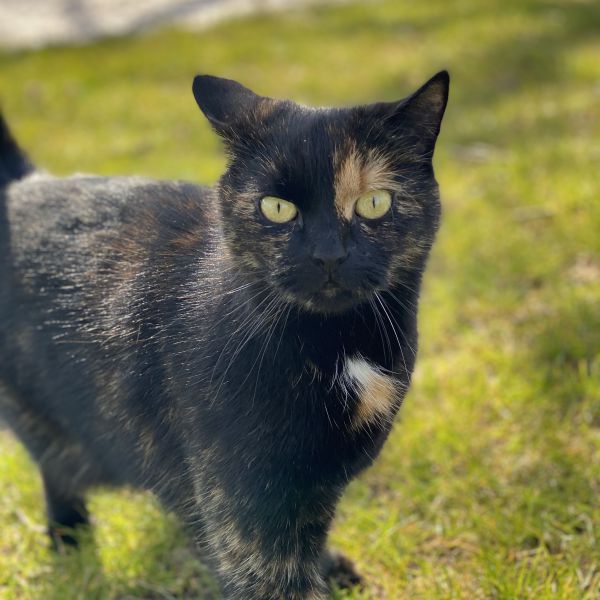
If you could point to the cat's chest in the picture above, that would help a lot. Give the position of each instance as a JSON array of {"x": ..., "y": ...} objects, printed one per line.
[
  {"x": 293, "y": 393},
  {"x": 306, "y": 380},
  {"x": 358, "y": 395},
  {"x": 376, "y": 394},
  {"x": 332, "y": 423}
]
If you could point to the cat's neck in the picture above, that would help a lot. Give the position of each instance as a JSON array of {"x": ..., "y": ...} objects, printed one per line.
[{"x": 381, "y": 331}]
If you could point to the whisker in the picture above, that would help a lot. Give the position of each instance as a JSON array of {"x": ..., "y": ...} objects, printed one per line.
[
  {"x": 266, "y": 315},
  {"x": 252, "y": 328},
  {"x": 414, "y": 352},
  {"x": 382, "y": 303},
  {"x": 382, "y": 330},
  {"x": 407, "y": 287},
  {"x": 263, "y": 352}
]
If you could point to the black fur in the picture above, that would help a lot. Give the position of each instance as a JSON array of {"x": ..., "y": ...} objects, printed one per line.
[
  {"x": 14, "y": 163},
  {"x": 170, "y": 337}
]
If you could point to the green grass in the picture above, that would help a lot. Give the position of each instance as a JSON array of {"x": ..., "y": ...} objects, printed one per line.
[{"x": 489, "y": 485}]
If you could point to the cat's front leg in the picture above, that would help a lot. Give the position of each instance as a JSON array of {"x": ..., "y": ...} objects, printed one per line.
[
  {"x": 261, "y": 552},
  {"x": 249, "y": 569},
  {"x": 338, "y": 569}
]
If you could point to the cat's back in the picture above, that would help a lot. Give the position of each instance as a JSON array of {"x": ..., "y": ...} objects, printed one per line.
[
  {"x": 51, "y": 225},
  {"x": 67, "y": 245},
  {"x": 42, "y": 209}
]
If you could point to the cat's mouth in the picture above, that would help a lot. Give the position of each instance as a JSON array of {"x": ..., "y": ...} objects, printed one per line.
[
  {"x": 327, "y": 297},
  {"x": 332, "y": 289},
  {"x": 333, "y": 298}
]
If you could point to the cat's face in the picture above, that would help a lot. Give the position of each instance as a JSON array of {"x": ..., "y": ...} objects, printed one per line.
[{"x": 327, "y": 206}]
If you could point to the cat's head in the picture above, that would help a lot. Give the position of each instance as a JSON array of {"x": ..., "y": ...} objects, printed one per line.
[{"x": 327, "y": 205}]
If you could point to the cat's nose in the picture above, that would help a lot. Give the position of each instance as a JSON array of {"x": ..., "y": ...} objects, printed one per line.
[{"x": 329, "y": 259}]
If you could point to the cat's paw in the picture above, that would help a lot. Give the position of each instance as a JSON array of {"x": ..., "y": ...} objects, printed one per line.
[
  {"x": 339, "y": 570},
  {"x": 62, "y": 538}
]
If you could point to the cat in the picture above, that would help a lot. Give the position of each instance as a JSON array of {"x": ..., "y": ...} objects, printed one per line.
[{"x": 241, "y": 350}]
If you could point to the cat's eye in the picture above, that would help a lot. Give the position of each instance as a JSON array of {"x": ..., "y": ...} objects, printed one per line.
[
  {"x": 373, "y": 205},
  {"x": 277, "y": 209}
]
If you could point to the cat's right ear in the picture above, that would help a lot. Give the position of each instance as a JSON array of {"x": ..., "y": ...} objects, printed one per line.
[{"x": 227, "y": 104}]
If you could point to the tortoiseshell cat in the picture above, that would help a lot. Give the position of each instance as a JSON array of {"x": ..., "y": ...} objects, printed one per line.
[{"x": 242, "y": 350}]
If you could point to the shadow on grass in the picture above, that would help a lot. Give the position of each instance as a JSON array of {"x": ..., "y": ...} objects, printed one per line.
[
  {"x": 162, "y": 565},
  {"x": 75, "y": 571}
]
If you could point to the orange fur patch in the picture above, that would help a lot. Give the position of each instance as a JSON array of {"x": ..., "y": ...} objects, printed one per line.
[
  {"x": 376, "y": 392},
  {"x": 356, "y": 175}
]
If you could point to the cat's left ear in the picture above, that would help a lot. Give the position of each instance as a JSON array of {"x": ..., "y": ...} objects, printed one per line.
[
  {"x": 418, "y": 118},
  {"x": 227, "y": 104}
]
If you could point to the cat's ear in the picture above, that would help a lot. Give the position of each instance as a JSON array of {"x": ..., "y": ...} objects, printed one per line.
[
  {"x": 227, "y": 104},
  {"x": 418, "y": 117}
]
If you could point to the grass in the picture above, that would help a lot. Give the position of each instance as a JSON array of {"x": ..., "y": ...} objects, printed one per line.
[{"x": 489, "y": 485}]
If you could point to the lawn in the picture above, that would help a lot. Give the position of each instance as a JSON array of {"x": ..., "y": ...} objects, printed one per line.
[{"x": 489, "y": 484}]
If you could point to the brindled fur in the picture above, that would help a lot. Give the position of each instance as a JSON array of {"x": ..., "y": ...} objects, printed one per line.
[{"x": 169, "y": 337}]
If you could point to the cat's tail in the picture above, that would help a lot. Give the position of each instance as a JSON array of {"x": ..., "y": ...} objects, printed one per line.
[{"x": 14, "y": 163}]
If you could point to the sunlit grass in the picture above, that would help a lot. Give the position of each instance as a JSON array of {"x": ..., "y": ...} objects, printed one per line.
[{"x": 489, "y": 485}]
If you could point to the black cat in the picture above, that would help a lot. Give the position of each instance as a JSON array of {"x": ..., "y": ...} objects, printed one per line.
[{"x": 241, "y": 351}]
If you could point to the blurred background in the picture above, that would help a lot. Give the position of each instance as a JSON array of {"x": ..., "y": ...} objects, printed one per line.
[{"x": 489, "y": 484}]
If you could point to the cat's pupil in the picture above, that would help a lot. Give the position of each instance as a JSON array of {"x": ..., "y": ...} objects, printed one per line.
[
  {"x": 279, "y": 207},
  {"x": 373, "y": 201}
]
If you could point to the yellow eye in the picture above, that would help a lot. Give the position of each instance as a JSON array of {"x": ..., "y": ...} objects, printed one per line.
[
  {"x": 277, "y": 209},
  {"x": 373, "y": 205}
]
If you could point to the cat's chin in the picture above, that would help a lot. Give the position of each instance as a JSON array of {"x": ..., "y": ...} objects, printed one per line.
[{"x": 331, "y": 302}]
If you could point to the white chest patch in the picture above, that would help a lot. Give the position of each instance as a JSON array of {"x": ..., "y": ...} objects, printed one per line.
[{"x": 377, "y": 393}]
